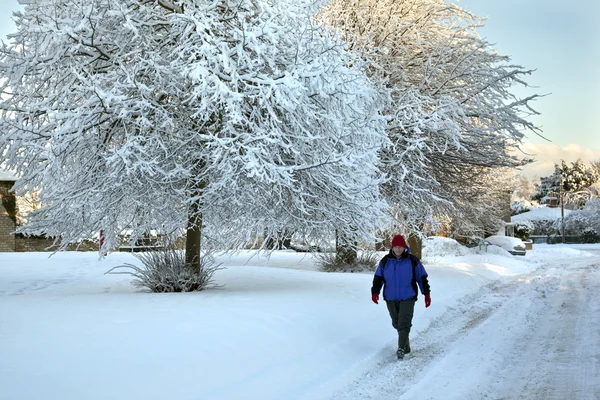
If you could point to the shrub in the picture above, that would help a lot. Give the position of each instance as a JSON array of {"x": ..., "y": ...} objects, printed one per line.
[
  {"x": 554, "y": 239},
  {"x": 524, "y": 229},
  {"x": 167, "y": 271},
  {"x": 579, "y": 221},
  {"x": 365, "y": 261},
  {"x": 590, "y": 235},
  {"x": 544, "y": 227}
]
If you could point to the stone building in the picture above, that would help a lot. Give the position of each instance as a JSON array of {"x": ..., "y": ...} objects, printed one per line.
[
  {"x": 7, "y": 216},
  {"x": 9, "y": 242}
]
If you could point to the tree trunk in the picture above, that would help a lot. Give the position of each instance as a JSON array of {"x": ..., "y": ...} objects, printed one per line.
[
  {"x": 283, "y": 241},
  {"x": 194, "y": 237},
  {"x": 416, "y": 245}
]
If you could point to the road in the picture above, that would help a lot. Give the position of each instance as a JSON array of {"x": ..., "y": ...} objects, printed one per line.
[
  {"x": 564, "y": 344},
  {"x": 533, "y": 337}
]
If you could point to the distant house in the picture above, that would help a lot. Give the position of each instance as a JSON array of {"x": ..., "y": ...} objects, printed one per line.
[
  {"x": 7, "y": 212},
  {"x": 9, "y": 242},
  {"x": 550, "y": 201},
  {"x": 543, "y": 220}
]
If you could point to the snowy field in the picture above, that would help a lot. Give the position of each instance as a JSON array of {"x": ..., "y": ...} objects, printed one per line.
[{"x": 500, "y": 327}]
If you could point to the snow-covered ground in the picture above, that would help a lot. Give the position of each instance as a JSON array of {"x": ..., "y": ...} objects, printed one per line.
[{"x": 499, "y": 327}]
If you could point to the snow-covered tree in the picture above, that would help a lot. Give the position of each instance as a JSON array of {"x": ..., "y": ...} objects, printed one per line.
[
  {"x": 578, "y": 176},
  {"x": 575, "y": 179},
  {"x": 227, "y": 119},
  {"x": 453, "y": 119},
  {"x": 549, "y": 186},
  {"x": 596, "y": 165},
  {"x": 524, "y": 188}
]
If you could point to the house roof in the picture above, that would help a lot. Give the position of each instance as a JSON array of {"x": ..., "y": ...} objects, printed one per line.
[{"x": 541, "y": 213}]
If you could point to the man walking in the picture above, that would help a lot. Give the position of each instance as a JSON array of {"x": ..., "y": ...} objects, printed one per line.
[{"x": 400, "y": 273}]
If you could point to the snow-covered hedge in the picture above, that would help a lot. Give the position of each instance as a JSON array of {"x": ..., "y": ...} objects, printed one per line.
[
  {"x": 590, "y": 235},
  {"x": 584, "y": 222},
  {"x": 524, "y": 229}
]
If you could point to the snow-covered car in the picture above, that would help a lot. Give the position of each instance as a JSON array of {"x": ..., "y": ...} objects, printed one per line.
[
  {"x": 513, "y": 245},
  {"x": 302, "y": 245}
]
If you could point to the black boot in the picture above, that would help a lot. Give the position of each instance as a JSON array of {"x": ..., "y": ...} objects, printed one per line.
[
  {"x": 400, "y": 354},
  {"x": 407, "y": 347}
]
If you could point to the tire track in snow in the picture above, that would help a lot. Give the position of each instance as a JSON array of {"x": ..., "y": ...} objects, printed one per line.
[
  {"x": 443, "y": 355},
  {"x": 391, "y": 378},
  {"x": 562, "y": 358}
]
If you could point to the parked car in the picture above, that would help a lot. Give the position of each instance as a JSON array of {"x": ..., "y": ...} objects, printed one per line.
[
  {"x": 513, "y": 245},
  {"x": 302, "y": 245}
]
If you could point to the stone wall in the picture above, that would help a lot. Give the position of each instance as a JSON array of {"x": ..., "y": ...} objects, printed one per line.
[
  {"x": 24, "y": 243},
  {"x": 7, "y": 225},
  {"x": 9, "y": 242},
  {"x": 37, "y": 243}
]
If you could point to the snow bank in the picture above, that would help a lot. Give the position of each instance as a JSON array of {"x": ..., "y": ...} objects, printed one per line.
[{"x": 436, "y": 247}]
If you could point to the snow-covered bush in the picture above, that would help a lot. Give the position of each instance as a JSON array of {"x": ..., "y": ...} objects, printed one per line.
[
  {"x": 545, "y": 227},
  {"x": 524, "y": 229},
  {"x": 575, "y": 223},
  {"x": 167, "y": 271},
  {"x": 331, "y": 262},
  {"x": 590, "y": 235},
  {"x": 593, "y": 206},
  {"x": 583, "y": 220}
]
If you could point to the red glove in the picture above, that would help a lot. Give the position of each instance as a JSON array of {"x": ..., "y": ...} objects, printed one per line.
[
  {"x": 427, "y": 300},
  {"x": 375, "y": 298}
]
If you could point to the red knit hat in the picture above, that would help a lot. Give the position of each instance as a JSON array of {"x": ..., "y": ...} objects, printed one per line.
[{"x": 398, "y": 240}]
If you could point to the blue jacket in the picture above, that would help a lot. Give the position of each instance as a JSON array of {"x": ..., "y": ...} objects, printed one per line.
[{"x": 397, "y": 277}]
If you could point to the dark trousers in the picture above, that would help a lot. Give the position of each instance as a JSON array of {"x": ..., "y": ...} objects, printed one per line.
[{"x": 401, "y": 313}]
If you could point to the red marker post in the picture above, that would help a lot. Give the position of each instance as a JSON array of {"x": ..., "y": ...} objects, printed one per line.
[{"x": 102, "y": 252}]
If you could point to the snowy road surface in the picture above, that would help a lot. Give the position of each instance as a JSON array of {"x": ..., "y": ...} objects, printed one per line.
[
  {"x": 534, "y": 338},
  {"x": 564, "y": 339},
  {"x": 499, "y": 328}
]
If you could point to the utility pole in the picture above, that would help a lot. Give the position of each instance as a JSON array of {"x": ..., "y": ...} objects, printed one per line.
[{"x": 562, "y": 209}]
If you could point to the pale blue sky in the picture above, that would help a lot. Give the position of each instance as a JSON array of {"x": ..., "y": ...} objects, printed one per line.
[{"x": 561, "y": 40}]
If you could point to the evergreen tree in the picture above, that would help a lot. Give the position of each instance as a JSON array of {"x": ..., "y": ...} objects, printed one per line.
[{"x": 574, "y": 180}]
